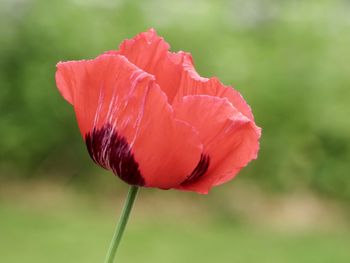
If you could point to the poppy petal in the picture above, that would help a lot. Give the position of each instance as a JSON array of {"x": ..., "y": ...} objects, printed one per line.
[
  {"x": 193, "y": 84},
  {"x": 175, "y": 72},
  {"x": 151, "y": 53},
  {"x": 230, "y": 139},
  {"x": 127, "y": 123}
]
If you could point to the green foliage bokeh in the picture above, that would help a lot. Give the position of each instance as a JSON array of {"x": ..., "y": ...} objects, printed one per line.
[{"x": 290, "y": 62}]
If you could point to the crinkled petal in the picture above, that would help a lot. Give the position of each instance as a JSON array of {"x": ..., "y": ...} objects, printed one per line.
[
  {"x": 151, "y": 53},
  {"x": 230, "y": 139},
  {"x": 193, "y": 84},
  {"x": 174, "y": 72},
  {"x": 127, "y": 123}
]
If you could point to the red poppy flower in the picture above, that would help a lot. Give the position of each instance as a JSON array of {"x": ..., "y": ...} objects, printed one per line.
[{"x": 147, "y": 115}]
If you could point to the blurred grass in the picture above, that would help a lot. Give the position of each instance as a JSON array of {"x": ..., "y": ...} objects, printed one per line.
[
  {"x": 55, "y": 223},
  {"x": 78, "y": 234}
]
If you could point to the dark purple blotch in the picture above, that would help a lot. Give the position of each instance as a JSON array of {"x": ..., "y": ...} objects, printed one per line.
[
  {"x": 199, "y": 171},
  {"x": 112, "y": 151}
]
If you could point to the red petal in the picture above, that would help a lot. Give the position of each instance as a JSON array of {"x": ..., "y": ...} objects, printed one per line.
[
  {"x": 230, "y": 139},
  {"x": 64, "y": 82},
  {"x": 151, "y": 53},
  {"x": 193, "y": 84},
  {"x": 174, "y": 72},
  {"x": 111, "y": 90}
]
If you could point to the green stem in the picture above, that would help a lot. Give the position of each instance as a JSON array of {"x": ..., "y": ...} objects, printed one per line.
[{"x": 121, "y": 224}]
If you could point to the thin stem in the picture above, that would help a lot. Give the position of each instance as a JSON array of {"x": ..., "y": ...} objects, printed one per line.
[{"x": 123, "y": 220}]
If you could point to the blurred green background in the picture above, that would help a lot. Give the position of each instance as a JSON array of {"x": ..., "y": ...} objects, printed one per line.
[{"x": 289, "y": 59}]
